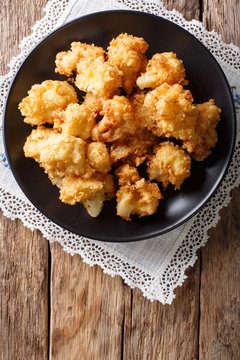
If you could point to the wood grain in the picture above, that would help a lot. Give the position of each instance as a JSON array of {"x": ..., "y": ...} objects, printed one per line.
[
  {"x": 155, "y": 332},
  {"x": 87, "y": 310},
  {"x": 24, "y": 255},
  {"x": 220, "y": 286},
  {"x": 190, "y": 9},
  {"x": 223, "y": 17},
  {"x": 24, "y": 293},
  {"x": 16, "y": 22}
]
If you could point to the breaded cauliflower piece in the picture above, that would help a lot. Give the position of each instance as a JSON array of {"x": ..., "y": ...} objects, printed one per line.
[
  {"x": 133, "y": 149},
  {"x": 170, "y": 164},
  {"x": 90, "y": 192},
  {"x": 66, "y": 61},
  {"x": 59, "y": 154},
  {"x": 99, "y": 157},
  {"x": 208, "y": 115},
  {"x": 76, "y": 120},
  {"x": 118, "y": 120},
  {"x": 162, "y": 68},
  {"x": 127, "y": 175},
  {"x": 172, "y": 112},
  {"x": 127, "y": 53},
  {"x": 98, "y": 77},
  {"x": 141, "y": 198},
  {"x": 141, "y": 113},
  {"x": 94, "y": 102},
  {"x": 45, "y": 100}
]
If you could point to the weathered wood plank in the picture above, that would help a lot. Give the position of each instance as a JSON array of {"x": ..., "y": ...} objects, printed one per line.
[
  {"x": 223, "y": 17},
  {"x": 155, "y": 332},
  {"x": 220, "y": 286},
  {"x": 24, "y": 292},
  {"x": 87, "y": 310},
  {"x": 189, "y": 8},
  {"x": 24, "y": 255},
  {"x": 15, "y": 22},
  {"x": 220, "y": 289}
]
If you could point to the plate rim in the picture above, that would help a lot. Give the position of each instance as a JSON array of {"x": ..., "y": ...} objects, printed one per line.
[{"x": 197, "y": 208}]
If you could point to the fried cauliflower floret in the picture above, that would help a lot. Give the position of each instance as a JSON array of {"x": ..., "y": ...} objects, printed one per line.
[
  {"x": 98, "y": 77},
  {"x": 94, "y": 102},
  {"x": 99, "y": 157},
  {"x": 90, "y": 192},
  {"x": 76, "y": 120},
  {"x": 170, "y": 164},
  {"x": 118, "y": 120},
  {"x": 133, "y": 149},
  {"x": 127, "y": 174},
  {"x": 36, "y": 140},
  {"x": 162, "y": 68},
  {"x": 66, "y": 61},
  {"x": 45, "y": 100},
  {"x": 59, "y": 154},
  {"x": 208, "y": 115},
  {"x": 141, "y": 198},
  {"x": 172, "y": 112},
  {"x": 127, "y": 53},
  {"x": 141, "y": 113}
]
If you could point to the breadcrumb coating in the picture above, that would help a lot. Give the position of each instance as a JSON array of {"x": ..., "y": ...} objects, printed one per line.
[
  {"x": 141, "y": 198},
  {"x": 172, "y": 113},
  {"x": 118, "y": 120},
  {"x": 99, "y": 157},
  {"x": 133, "y": 149},
  {"x": 162, "y": 68},
  {"x": 45, "y": 100},
  {"x": 127, "y": 53},
  {"x": 109, "y": 132},
  {"x": 207, "y": 118},
  {"x": 58, "y": 154},
  {"x": 67, "y": 61},
  {"x": 76, "y": 120},
  {"x": 91, "y": 192},
  {"x": 93, "y": 102},
  {"x": 98, "y": 77},
  {"x": 170, "y": 164},
  {"x": 141, "y": 112},
  {"x": 127, "y": 175}
]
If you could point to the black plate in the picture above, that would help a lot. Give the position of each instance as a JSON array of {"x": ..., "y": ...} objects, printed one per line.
[{"x": 206, "y": 81}]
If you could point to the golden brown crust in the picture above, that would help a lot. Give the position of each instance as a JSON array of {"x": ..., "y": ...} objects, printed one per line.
[
  {"x": 170, "y": 164},
  {"x": 109, "y": 132},
  {"x": 45, "y": 100},
  {"x": 141, "y": 198},
  {"x": 118, "y": 120},
  {"x": 162, "y": 68},
  {"x": 127, "y": 53},
  {"x": 205, "y": 137}
]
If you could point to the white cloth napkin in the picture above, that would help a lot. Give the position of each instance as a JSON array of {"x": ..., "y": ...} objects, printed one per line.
[{"x": 157, "y": 265}]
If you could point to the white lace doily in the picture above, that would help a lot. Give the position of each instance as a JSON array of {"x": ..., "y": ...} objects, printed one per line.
[{"x": 157, "y": 265}]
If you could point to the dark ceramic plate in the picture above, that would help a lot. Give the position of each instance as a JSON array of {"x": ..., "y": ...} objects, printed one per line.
[{"x": 206, "y": 81}]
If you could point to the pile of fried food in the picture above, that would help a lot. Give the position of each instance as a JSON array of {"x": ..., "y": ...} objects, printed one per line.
[{"x": 92, "y": 150}]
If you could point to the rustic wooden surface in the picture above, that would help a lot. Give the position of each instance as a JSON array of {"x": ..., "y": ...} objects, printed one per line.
[{"x": 53, "y": 306}]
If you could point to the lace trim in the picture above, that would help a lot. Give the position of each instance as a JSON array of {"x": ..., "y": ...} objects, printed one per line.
[{"x": 184, "y": 254}]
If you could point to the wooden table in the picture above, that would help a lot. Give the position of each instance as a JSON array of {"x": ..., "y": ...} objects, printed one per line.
[{"x": 53, "y": 306}]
